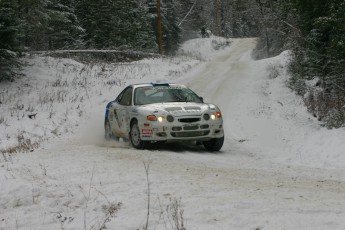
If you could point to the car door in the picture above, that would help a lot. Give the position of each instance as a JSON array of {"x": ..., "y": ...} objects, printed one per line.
[{"x": 121, "y": 112}]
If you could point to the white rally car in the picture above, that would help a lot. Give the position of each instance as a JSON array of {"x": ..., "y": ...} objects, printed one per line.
[{"x": 146, "y": 113}]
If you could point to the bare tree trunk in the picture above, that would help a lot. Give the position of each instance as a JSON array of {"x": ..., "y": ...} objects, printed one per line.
[
  {"x": 159, "y": 28},
  {"x": 267, "y": 43},
  {"x": 218, "y": 13},
  {"x": 261, "y": 7}
]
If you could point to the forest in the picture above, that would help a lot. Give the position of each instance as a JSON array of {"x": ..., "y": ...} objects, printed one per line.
[{"x": 313, "y": 30}]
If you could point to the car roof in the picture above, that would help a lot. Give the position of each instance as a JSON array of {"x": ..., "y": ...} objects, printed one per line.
[{"x": 155, "y": 84}]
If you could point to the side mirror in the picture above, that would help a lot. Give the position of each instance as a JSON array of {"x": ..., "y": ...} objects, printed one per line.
[{"x": 201, "y": 99}]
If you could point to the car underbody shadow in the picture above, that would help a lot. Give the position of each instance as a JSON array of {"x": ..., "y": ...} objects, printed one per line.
[
  {"x": 182, "y": 146},
  {"x": 178, "y": 146}
]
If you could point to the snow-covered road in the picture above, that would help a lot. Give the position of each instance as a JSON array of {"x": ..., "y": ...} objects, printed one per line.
[
  {"x": 258, "y": 181},
  {"x": 223, "y": 191}
]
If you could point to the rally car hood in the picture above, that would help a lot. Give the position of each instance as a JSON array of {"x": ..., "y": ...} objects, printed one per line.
[{"x": 179, "y": 108}]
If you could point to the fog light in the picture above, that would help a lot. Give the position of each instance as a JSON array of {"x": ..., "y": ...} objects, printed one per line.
[
  {"x": 161, "y": 134},
  {"x": 206, "y": 116},
  {"x": 176, "y": 128},
  {"x": 170, "y": 118}
]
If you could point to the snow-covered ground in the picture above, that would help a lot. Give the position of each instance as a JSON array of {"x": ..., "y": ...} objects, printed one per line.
[{"x": 278, "y": 169}]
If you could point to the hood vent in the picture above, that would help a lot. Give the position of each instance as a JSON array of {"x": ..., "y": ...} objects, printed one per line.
[
  {"x": 171, "y": 109},
  {"x": 192, "y": 108}
]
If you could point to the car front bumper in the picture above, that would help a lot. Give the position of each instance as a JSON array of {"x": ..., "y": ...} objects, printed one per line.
[{"x": 170, "y": 131}]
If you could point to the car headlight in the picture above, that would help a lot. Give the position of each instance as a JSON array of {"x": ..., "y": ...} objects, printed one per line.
[
  {"x": 151, "y": 118},
  {"x": 154, "y": 118},
  {"x": 160, "y": 119},
  {"x": 215, "y": 116}
]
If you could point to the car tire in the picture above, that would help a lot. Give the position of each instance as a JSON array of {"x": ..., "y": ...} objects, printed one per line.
[
  {"x": 214, "y": 145},
  {"x": 134, "y": 136},
  {"x": 109, "y": 135}
]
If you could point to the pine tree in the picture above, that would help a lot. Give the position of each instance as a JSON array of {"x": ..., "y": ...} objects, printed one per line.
[
  {"x": 172, "y": 31},
  {"x": 9, "y": 25},
  {"x": 63, "y": 29},
  {"x": 277, "y": 25},
  {"x": 319, "y": 55},
  {"x": 152, "y": 16},
  {"x": 115, "y": 23},
  {"x": 9, "y": 44},
  {"x": 145, "y": 33},
  {"x": 195, "y": 17},
  {"x": 170, "y": 23},
  {"x": 35, "y": 18},
  {"x": 337, "y": 38},
  {"x": 132, "y": 26}
]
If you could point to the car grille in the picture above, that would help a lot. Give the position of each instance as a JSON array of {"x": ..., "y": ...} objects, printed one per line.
[
  {"x": 191, "y": 127},
  {"x": 190, "y": 133},
  {"x": 189, "y": 120}
]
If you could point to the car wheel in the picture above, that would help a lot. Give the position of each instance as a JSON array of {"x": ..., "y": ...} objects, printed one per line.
[
  {"x": 134, "y": 136},
  {"x": 108, "y": 133},
  {"x": 214, "y": 145}
]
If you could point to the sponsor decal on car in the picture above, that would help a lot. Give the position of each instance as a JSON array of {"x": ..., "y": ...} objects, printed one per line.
[{"x": 147, "y": 131}]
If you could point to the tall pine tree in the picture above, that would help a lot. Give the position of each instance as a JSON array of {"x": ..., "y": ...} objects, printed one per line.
[
  {"x": 35, "y": 19},
  {"x": 63, "y": 29},
  {"x": 171, "y": 28},
  {"x": 319, "y": 55},
  {"x": 170, "y": 23},
  {"x": 116, "y": 23},
  {"x": 49, "y": 24},
  {"x": 9, "y": 42}
]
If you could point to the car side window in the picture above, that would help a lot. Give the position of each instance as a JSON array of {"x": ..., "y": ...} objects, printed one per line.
[{"x": 125, "y": 98}]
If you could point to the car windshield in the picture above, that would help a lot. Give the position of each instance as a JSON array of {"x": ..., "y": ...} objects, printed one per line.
[{"x": 160, "y": 94}]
